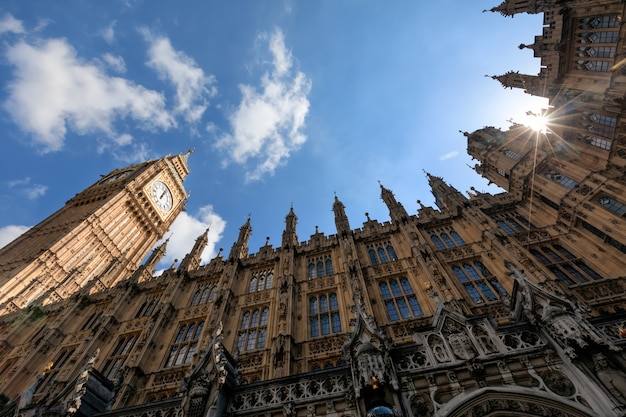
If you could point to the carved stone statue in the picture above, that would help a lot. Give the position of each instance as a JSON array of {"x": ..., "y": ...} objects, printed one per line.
[{"x": 613, "y": 379}]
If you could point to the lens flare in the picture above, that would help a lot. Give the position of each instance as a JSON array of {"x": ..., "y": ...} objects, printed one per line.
[{"x": 536, "y": 121}]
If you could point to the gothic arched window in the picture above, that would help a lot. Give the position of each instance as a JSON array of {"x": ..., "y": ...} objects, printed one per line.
[
  {"x": 324, "y": 316},
  {"x": 185, "y": 344},
  {"x": 399, "y": 298},
  {"x": 564, "y": 265},
  {"x": 479, "y": 283},
  {"x": 253, "y": 330},
  {"x": 612, "y": 205}
]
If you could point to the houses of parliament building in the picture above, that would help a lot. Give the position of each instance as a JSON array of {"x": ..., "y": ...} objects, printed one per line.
[{"x": 511, "y": 304}]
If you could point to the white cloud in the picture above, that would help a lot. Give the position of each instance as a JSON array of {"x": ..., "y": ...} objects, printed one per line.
[
  {"x": 108, "y": 33},
  {"x": 116, "y": 63},
  {"x": 267, "y": 124},
  {"x": 35, "y": 191},
  {"x": 448, "y": 155},
  {"x": 8, "y": 23},
  {"x": 138, "y": 152},
  {"x": 211, "y": 127},
  {"x": 31, "y": 191},
  {"x": 53, "y": 89},
  {"x": 124, "y": 139},
  {"x": 185, "y": 230},
  {"x": 193, "y": 87},
  {"x": 9, "y": 233},
  {"x": 18, "y": 183}
]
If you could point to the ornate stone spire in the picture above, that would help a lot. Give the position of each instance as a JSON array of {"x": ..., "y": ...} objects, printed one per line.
[
  {"x": 513, "y": 79},
  {"x": 155, "y": 257},
  {"x": 396, "y": 210},
  {"x": 513, "y": 7},
  {"x": 240, "y": 247},
  {"x": 341, "y": 220},
  {"x": 290, "y": 238},
  {"x": 446, "y": 196},
  {"x": 192, "y": 259}
]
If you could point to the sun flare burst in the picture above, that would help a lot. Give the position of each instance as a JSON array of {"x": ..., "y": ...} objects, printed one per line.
[{"x": 536, "y": 121}]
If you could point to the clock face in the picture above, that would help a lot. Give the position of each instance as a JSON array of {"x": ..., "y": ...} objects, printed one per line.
[
  {"x": 162, "y": 196},
  {"x": 116, "y": 177}
]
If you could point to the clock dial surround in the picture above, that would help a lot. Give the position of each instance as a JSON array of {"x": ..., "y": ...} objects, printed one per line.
[{"x": 162, "y": 196}]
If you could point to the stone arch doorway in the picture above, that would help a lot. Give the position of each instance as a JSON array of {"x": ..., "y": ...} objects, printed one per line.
[{"x": 490, "y": 402}]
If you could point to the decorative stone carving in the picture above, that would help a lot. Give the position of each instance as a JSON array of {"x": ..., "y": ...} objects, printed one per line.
[
  {"x": 422, "y": 406},
  {"x": 484, "y": 339},
  {"x": 562, "y": 317},
  {"x": 613, "y": 379},
  {"x": 558, "y": 383},
  {"x": 367, "y": 352},
  {"x": 461, "y": 345},
  {"x": 438, "y": 348}
]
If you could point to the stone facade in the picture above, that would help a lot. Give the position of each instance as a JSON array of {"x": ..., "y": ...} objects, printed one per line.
[{"x": 490, "y": 305}]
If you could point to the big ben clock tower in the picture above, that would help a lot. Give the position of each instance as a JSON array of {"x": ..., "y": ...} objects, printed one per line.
[{"x": 100, "y": 236}]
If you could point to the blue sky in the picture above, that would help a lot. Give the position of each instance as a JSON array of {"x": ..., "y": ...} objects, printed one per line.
[{"x": 285, "y": 103}]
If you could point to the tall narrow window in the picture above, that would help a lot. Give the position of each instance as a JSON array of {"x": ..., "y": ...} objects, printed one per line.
[
  {"x": 598, "y": 142},
  {"x": 324, "y": 316},
  {"x": 146, "y": 308},
  {"x": 329, "y": 267},
  {"x": 204, "y": 294},
  {"x": 253, "y": 284},
  {"x": 564, "y": 265},
  {"x": 60, "y": 361},
  {"x": 561, "y": 179},
  {"x": 595, "y": 41},
  {"x": 446, "y": 238},
  {"x": 373, "y": 257},
  {"x": 502, "y": 172},
  {"x": 92, "y": 319},
  {"x": 612, "y": 205},
  {"x": 391, "y": 251},
  {"x": 380, "y": 253},
  {"x": 399, "y": 298},
  {"x": 261, "y": 280},
  {"x": 510, "y": 154},
  {"x": 253, "y": 330},
  {"x": 212, "y": 293},
  {"x": 608, "y": 239},
  {"x": 118, "y": 356},
  {"x": 479, "y": 282},
  {"x": 511, "y": 224},
  {"x": 320, "y": 266},
  {"x": 438, "y": 243},
  {"x": 185, "y": 344}
]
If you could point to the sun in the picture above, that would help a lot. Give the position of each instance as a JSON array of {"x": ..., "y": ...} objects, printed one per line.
[{"x": 536, "y": 121}]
